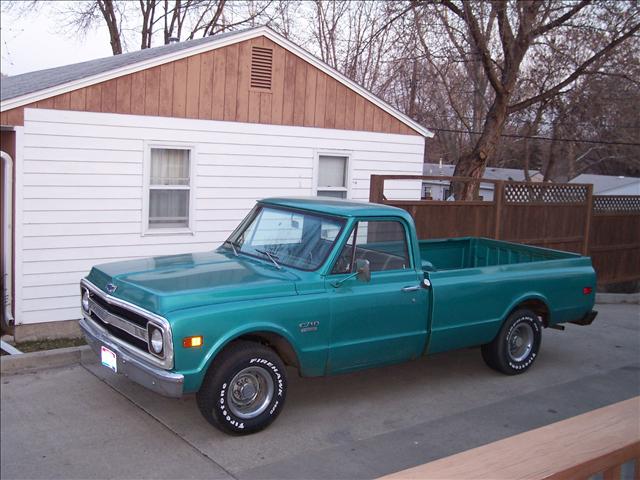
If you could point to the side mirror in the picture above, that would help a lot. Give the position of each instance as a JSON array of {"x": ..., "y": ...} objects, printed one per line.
[
  {"x": 427, "y": 266},
  {"x": 363, "y": 267}
]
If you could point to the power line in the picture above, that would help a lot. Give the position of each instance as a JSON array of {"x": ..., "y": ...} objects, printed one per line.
[
  {"x": 531, "y": 137},
  {"x": 543, "y": 122}
]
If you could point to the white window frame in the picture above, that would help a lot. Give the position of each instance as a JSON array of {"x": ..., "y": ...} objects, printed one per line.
[
  {"x": 316, "y": 171},
  {"x": 190, "y": 229}
]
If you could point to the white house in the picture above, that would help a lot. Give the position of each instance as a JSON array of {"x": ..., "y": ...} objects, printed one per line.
[
  {"x": 610, "y": 184},
  {"x": 164, "y": 150},
  {"x": 440, "y": 190}
]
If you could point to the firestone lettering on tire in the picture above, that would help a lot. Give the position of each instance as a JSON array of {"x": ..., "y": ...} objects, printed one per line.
[{"x": 224, "y": 411}]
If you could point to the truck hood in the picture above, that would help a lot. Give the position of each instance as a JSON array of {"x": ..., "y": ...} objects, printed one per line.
[{"x": 164, "y": 284}]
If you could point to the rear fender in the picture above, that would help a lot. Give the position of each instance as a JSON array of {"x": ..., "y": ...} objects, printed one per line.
[{"x": 528, "y": 297}]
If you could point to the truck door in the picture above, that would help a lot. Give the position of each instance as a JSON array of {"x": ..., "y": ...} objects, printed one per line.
[{"x": 383, "y": 320}]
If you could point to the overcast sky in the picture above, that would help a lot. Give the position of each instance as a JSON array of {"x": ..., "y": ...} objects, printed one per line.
[{"x": 36, "y": 43}]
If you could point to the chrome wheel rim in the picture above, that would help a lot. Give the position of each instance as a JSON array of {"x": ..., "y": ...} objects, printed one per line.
[
  {"x": 250, "y": 392},
  {"x": 520, "y": 342}
]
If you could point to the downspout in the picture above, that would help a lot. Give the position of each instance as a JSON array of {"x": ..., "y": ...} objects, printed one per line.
[{"x": 7, "y": 231}]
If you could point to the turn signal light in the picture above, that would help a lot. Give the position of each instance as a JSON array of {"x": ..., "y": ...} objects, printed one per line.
[
  {"x": 587, "y": 290},
  {"x": 190, "y": 342}
]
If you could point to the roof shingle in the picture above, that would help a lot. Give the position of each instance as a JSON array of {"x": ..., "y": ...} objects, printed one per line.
[{"x": 18, "y": 85}]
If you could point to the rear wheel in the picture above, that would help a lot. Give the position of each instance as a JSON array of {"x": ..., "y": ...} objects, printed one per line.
[
  {"x": 244, "y": 390},
  {"x": 516, "y": 346}
]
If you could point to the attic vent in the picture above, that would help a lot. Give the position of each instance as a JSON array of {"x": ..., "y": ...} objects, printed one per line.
[{"x": 261, "y": 67}]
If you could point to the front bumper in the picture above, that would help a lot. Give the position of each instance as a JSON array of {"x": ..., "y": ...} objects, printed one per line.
[{"x": 156, "y": 379}]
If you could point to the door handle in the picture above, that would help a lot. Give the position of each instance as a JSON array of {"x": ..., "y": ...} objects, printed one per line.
[{"x": 413, "y": 288}]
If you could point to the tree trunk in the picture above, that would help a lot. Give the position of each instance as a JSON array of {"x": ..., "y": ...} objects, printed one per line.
[
  {"x": 473, "y": 164},
  {"x": 413, "y": 91},
  {"x": 106, "y": 8},
  {"x": 550, "y": 162},
  {"x": 527, "y": 157},
  {"x": 571, "y": 159}
]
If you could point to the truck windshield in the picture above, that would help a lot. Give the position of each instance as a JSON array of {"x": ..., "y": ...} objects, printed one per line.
[{"x": 284, "y": 237}]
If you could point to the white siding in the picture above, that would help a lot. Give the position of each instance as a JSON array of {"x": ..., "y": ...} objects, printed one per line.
[{"x": 80, "y": 189}]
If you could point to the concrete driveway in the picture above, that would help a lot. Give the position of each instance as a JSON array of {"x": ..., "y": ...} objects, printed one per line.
[{"x": 84, "y": 422}]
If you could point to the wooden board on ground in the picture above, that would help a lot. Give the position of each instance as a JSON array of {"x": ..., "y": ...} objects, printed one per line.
[{"x": 594, "y": 442}]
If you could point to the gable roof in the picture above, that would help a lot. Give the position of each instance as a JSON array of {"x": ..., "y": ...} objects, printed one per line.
[
  {"x": 492, "y": 173},
  {"x": 26, "y": 88},
  {"x": 604, "y": 183},
  {"x": 26, "y": 83}
]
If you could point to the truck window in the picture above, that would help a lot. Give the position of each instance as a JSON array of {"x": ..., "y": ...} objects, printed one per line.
[
  {"x": 295, "y": 239},
  {"x": 383, "y": 243}
]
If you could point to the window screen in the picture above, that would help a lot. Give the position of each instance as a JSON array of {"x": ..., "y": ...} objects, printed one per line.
[{"x": 332, "y": 176}]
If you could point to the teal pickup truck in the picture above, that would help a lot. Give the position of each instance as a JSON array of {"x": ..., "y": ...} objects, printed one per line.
[{"x": 323, "y": 286}]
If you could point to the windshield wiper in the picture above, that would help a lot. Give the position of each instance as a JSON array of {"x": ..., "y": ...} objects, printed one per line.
[
  {"x": 272, "y": 257},
  {"x": 233, "y": 246}
]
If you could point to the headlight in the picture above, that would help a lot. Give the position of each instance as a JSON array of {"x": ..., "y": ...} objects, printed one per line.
[
  {"x": 85, "y": 300},
  {"x": 156, "y": 340}
]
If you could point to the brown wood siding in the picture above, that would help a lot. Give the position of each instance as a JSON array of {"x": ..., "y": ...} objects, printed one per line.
[{"x": 216, "y": 86}]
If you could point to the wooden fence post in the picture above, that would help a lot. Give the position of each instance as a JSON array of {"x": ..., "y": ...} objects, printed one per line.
[
  {"x": 376, "y": 189},
  {"x": 498, "y": 199},
  {"x": 587, "y": 223}
]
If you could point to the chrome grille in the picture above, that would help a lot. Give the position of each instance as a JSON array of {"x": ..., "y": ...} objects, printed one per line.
[
  {"x": 118, "y": 322},
  {"x": 126, "y": 324}
]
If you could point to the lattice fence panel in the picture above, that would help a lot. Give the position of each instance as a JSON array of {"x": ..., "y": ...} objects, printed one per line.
[
  {"x": 616, "y": 204},
  {"x": 544, "y": 193}
]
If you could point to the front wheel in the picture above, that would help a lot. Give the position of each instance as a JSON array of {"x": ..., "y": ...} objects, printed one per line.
[
  {"x": 516, "y": 346},
  {"x": 244, "y": 390}
]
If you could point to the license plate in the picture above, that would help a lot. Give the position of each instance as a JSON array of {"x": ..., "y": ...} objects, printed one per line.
[{"x": 109, "y": 359}]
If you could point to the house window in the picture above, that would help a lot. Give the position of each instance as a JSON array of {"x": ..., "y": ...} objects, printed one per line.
[
  {"x": 168, "y": 195},
  {"x": 332, "y": 176}
]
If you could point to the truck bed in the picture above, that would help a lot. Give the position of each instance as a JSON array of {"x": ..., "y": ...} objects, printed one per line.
[
  {"x": 471, "y": 252},
  {"x": 476, "y": 282}
]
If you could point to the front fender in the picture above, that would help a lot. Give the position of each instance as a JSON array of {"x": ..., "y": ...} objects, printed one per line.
[
  {"x": 195, "y": 376},
  {"x": 223, "y": 323},
  {"x": 246, "y": 330}
]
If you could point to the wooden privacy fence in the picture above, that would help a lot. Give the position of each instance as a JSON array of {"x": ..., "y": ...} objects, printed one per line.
[
  {"x": 614, "y": 239},
  {"x": 553, "y": 215}
]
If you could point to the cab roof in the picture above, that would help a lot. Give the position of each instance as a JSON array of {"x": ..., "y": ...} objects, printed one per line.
[{"x": 338, "y": 207}]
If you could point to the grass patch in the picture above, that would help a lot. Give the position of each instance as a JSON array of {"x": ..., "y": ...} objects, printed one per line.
[{"x": 37, "y": 345}]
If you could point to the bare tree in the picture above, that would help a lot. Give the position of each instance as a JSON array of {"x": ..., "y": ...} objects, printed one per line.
[
  {"x": 520, "y": 25},
  {"x": 180, "y": 19},
  {"x": 548, "y": 85}
]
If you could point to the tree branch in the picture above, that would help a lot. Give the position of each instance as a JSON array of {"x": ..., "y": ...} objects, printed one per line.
[
  {"x": 542, "y": 29},
  {"x": 576, "y": 73},
  {"x": 506, "y": 34},
  {"x": 613, "y": 74},
  {"x": 479, "y": 41}
]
